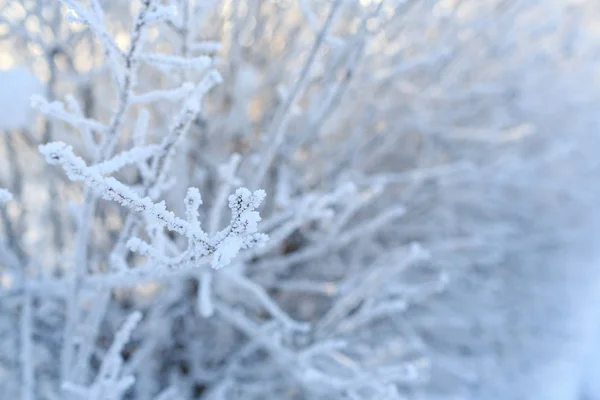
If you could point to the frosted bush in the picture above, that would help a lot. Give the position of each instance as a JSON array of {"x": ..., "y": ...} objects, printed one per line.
[{"x": 297, "y": 199}]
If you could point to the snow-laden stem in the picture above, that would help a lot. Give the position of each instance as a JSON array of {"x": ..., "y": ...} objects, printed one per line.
[
  {"x": 126, "y": 82},
  {"x": 27, "y": 360},
  {"x": 277, "y": 130}
]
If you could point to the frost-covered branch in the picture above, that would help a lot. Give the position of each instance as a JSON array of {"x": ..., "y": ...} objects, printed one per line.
[
  {"x": 109, "y": 384},
  {"x": 224, "y": 246}
]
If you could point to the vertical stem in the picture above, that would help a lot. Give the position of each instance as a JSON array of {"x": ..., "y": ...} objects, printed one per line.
[
  {"x": 55, "y": 217},
  {"x": 79, "y": 271},
  {"x": 278, "y": 127},
  {"x": 27, "y": 362},
  {"x": 112, "y": 136}
]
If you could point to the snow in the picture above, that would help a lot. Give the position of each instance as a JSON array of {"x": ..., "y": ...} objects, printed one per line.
[{"x": 17, "y": 86}]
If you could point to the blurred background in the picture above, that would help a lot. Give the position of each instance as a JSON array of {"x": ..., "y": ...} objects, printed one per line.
[{"x": 468, "y": 128}]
